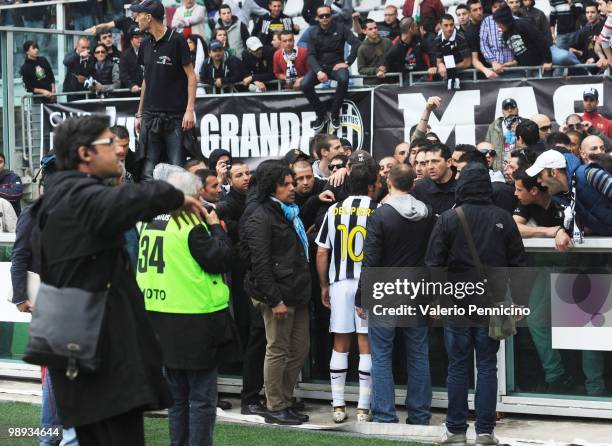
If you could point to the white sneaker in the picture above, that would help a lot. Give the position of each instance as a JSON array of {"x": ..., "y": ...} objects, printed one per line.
[
  {"x": 363, "y": 415},
  {"x": 457, "y": 85},
  {"x": 451, "y": 439},
  {"x": 449, "y": 84},
  {"x": 340, "y": 414},
  {"x": 486, "y": 440}
]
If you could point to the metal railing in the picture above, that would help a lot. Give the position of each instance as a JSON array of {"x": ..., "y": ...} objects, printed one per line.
[{"x": 527, "y": 70}]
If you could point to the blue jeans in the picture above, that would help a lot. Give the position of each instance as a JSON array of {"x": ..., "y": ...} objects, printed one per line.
[
  {"x": 163, "y": 145},
  {"x": 418, "y": 389},
  {"x": 565, "y": 41},
  {"x": 310, "y": 81},
  {"x": 192, "y": 416},
  {"x": 48, "y": 414},
  {"x": 460, "y": 343}
]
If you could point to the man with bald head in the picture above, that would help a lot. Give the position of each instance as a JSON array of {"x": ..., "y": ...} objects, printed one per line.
[
  {"x": 401, "y": 152},
  {"x": 386, "y": 164},
  {"x": 591, "y": 145},
  {"x": 544, "y": 125}
]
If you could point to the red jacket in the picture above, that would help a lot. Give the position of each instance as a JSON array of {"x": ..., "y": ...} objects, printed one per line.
[
  {"x": 429, "y": 8},
  {"x": 599, "y": 122},
  {"x": 301, "y": 62}
]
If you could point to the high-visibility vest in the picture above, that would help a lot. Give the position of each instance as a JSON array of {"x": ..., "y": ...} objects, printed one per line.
[{"x": 169, "y": 277}]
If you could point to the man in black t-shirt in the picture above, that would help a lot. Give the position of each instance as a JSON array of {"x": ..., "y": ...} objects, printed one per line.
[
  {"x": 167, "y": 98},
  {"x": 536, "y": 215}
]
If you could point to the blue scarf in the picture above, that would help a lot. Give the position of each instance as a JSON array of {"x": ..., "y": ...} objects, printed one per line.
[{"x": 291, "y": 212}]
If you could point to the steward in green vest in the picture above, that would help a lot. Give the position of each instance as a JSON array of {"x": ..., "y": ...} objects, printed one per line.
[{"x": 179, "y": 272}]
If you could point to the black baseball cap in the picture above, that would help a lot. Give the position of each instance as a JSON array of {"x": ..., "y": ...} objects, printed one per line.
[
  {"x": 591, "y": 93},
  {"x": 294, "y": 155},
  {"x": 509, "y": 103},
  {"x": 135, "y": 31},
  {"x": 346, "y": 142},
  {"x": 153, "y": 7}
]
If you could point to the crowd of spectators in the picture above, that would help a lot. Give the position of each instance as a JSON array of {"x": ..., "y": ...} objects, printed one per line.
[{"x": 491, "y": 37}]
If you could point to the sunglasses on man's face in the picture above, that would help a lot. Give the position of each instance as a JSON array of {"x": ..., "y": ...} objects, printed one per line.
[
  {"x": 545, "y": 128},
  {"x": 336, "y": 166},
  {"x": 100, "y": 52},
  {"x": 324, "y": 16}
]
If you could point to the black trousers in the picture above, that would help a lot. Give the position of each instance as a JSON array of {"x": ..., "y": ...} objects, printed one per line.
[
  {"x": 126, "y": 429},
  {"x": 253, "y": 363}
]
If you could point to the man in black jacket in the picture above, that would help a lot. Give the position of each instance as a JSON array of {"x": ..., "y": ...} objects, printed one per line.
[
  {"x": 279, "y": 283},
  {"x": 498, "y": 244},
  {"x": 130, "y": 71},
  {"x": 258, "y": 65},
  {"x": 79, "y": 67},
  {"x": 326, "y": 60},
  {"x": 407, "y": 53},
  {"x": 79, "y": 225},
  {"x": 529, "y": 46},
  {"x": 397, "y": 236},
  {"x": 273, "y": 22},
  {"x": 220, "y": 69}
]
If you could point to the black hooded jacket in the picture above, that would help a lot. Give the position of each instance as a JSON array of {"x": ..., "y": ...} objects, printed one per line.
[{"x": 497, "y": 238}]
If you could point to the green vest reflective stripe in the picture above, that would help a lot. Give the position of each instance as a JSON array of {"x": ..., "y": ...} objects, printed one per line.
[{"x": 169, "y": 277}]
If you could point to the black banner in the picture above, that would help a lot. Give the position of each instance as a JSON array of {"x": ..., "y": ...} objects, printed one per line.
[
  {"x": 466, "y": 114},
  {"x": 249, "y": 126},
  {"x": 257, "y": 126}
]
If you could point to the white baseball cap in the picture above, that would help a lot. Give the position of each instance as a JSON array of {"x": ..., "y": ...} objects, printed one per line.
[
  {"x": 253, "y": 43},
  {"x": 551, "y": 159}
]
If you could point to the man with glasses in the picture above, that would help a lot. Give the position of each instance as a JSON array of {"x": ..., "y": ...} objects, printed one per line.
[
  {"x": 326, "y": 60},
  {"x": 590, "y": 103},
  {"x": 574, "y": 122},
  {"x": 544, "y": 125},
  {"x": 167, "y": 99},
  {"x": 501, "y": 132}
]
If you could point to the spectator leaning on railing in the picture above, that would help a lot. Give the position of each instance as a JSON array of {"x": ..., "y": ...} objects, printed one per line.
[
  {"x": 106, "y": 72},
  {"x": 492, "y": 47},
  {"x": 290, "y": 61},
  {"x": 258, "y": 65},
  {"x": 408, "y": 52},
  {"x": 220, "y": 69},
  {"x": 453, "y": 52},
  {"x": 371, "y": 53},
  {"x": 584, "y": 45},
  {"x": 36, "y": 72}
]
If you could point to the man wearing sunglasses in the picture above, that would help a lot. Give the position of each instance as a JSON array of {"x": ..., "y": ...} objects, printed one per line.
[
  {"x": 544, "y": 125},
  {"x": 326, "y": 44},
  {"x": 576, "y": 123},
  {"x": 501, "y": 132}
]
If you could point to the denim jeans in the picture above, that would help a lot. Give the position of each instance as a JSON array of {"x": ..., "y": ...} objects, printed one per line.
[
  {"x": 48, "y": 414},
  {"x": 192, "y": 416},
  {"x": 418, "y": 389},
  {"x": 565, "y": 41},
  {"x": 165, "y": 145},
  {"x": 82, "y": 21},
  {"x": 460, "y": 343},
  {"x": 310, "y": 81}
]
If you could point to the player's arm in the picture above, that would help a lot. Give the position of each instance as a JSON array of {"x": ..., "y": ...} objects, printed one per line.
[
  {"x": 533, "y": 231},
  {"x": 322, "y": 270}
]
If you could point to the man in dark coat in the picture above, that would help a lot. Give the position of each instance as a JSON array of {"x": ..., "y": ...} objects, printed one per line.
[
  {"x": 498, "y": 244},
  {"x": 130, "y": 71},
  {"x": 278, "y": 280},
  {"x": 78, "y": 243},
  {"x": 79, "y": 67}
]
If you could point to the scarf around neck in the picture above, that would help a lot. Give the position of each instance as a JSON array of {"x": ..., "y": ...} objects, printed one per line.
[{"x": 291, "y": 212}]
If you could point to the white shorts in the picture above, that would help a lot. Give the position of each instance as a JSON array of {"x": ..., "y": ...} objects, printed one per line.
[{"x": 344, "y": 318}]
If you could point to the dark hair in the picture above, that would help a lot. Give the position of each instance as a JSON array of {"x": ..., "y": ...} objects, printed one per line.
[
  {"x": 365, "y": 24},
  {"x": 120, "y": 132},
  {"x": 362, "y": 176},
  {"x": 420, "y": 142},
  {"x": 604, "y": 160},
  {"x": 402, "y": 176},
  {"x": 271, "y": 177},
  {"x": 473, "y": 156},
  {"x": 343, "y": 158},
  {"x": 447, "y": 17},
  {"x": 472, "y": 2},
  {"x": 191, "y": 162},
  {"x": 3, "y": 157},
  {"x": 99, "y": 34},
  {"x": 464, "y": 148},
  {"x": 235, "y": 163},
  {"x": 575, "y": 133},
  {"x": 525, "y": 157},
  {"x": 573, "y": 115},
  {"x": 528, "y": 181},
  {"x": 225, "y": 6},
  {"x": 557, "y": 138},
  {"x": 285, "y": 32},
  {"x": 435, "y": 135},
  {"x": 74, "y": 133},
  {"x": 300, "y": 163},
  {"x": 271, "y": 1},
  {"x": 444, "y": 150},
  {"x": 590, "y": 3},
  {"x": 28, "y": 44},
  {"x": 428, "y": 23},
  {"x": 528, "y": 131},
  {"x": 203, "y": 175},
  {"x": 405, "y": 24},
  {"x": 461, "y": 6},
  {"x": 100, "y": 45},
  {"x": 322, "y": 142},
  {"x": 323, "y": 6}
]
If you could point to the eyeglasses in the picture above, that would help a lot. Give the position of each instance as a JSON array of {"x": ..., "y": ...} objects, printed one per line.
[
  {"x": 545, "y": 128},
  {"x": 575, "y": 126},
  {"x": 324, "y": 16},
  {"x": 103, "y": 141},
  {"x": 336, "y": 166},
  {"x": 100, "y": 52}
]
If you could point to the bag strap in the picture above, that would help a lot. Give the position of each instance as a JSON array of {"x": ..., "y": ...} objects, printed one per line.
[{"x": 469, "y": 239}]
